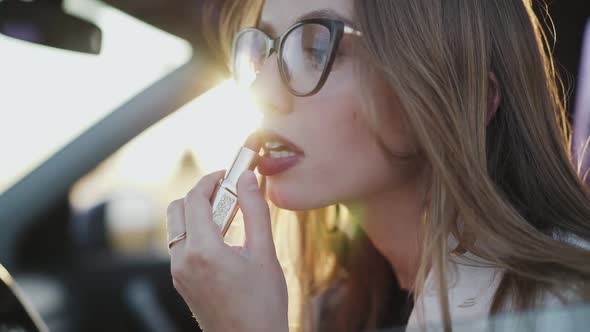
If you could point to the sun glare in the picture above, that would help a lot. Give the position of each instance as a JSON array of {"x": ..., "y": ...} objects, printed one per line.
[
  {"x": 247, "y": 71},
  {"x": 223, "y": 119},
  {"x": 210, "y": 128}
]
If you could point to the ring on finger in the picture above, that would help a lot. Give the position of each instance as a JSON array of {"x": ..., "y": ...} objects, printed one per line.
[{"x": 176, "y": 239}]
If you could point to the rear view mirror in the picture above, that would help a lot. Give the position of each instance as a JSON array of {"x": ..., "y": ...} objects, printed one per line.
[{"x": 44, "y": 22}]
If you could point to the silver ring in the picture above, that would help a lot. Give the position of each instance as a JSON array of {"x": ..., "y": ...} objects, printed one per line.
[{"x": 177, "y": 239}]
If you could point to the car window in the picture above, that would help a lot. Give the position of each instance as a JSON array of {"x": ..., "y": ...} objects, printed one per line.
[
  {"x": 49, "y": 95},
  {"x": 164, "y": 163}
]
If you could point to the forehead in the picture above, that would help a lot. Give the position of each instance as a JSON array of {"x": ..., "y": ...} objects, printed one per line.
[{"x": 281, "y": 14}]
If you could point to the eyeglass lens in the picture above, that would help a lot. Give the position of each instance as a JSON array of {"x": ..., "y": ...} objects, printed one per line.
[{"x": 305, "y": 53}]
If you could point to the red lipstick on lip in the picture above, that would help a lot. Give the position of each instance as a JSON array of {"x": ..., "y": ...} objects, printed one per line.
[
  {"x": 271, "y": 166},
  {"x": 268, "y": 166}
]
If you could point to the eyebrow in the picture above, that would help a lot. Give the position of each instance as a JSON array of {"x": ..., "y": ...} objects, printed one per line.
[{"x": 320, "y": 13}]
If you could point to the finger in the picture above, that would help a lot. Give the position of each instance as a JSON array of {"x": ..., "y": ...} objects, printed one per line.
[
  {"x": 254, "y": 207},
  {"x": 199, "y": 224},
  {"x": 175, "y": 216}
]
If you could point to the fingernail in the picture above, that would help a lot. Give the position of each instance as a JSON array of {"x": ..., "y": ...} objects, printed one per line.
[{"x": 250, "y": 182}]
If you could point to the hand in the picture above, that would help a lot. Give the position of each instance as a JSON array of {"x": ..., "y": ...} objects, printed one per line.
[{"x": 227, "y": 288}]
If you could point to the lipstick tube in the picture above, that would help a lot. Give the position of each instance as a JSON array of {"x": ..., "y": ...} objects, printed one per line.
[{"x": 225, "y": 199}]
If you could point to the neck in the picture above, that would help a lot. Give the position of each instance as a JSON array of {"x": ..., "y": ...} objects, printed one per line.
[{"x": 391, "y": 221}]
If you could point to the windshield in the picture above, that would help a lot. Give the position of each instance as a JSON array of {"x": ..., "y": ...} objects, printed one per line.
[{"x": 49, "y": 95}]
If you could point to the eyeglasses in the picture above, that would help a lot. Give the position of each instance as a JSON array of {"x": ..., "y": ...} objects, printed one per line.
[{"x": 305, "y": 54}]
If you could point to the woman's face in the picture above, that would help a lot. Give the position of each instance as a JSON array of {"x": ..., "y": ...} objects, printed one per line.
[{"x": 338, "y": 157}]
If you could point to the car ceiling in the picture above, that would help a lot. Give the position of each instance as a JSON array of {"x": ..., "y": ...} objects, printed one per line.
[{"x": 179, "y": 17}]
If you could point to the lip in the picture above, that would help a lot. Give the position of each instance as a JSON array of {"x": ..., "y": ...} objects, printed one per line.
[
  {"x": 268, "y": 135},
  {"x": 272, "y": 166}
]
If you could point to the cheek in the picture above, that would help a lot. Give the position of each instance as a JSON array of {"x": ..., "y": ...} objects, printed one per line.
[
  {"x": 387, "y": 117},
  {"x": 339, "y": 129},
  {"x": 354, "y": 165},
  {"x": 342, "y": 159}
]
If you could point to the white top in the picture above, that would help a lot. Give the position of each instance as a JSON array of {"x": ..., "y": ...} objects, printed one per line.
[
  {"x": 471, "y": 286},
  {"x": 471, "y": 291}
]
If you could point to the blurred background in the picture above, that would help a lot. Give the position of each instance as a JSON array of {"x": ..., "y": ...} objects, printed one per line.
[
  {"x": 86, "y": 240},
  {"x": 70, "y": 68},
  {"x": 56, "y": 94}
]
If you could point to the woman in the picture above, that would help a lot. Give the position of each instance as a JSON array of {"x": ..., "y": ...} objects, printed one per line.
[{"x": 437, "y": 126}]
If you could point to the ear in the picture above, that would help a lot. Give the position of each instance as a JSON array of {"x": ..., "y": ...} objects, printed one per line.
[{"x": 494, "y": 97}]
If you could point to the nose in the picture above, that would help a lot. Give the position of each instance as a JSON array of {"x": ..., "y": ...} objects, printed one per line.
[{"x": 271, "y": 94}]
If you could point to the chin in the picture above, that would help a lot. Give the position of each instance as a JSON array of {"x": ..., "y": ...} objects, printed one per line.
[
  {"x": 292, "y": 197},
  {"x": 283, "y": 199}
]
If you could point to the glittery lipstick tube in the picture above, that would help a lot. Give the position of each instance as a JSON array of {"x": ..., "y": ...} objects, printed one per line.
[{"x": 225, "y": 199}]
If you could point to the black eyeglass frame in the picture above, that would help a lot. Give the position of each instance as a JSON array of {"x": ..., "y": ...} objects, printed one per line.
[{"x": 336, "y": 28}]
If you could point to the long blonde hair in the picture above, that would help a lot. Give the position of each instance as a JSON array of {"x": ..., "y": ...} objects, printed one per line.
[{"x": 506, "y": 190}]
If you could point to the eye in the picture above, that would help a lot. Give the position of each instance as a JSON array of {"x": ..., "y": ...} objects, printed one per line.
[{"x": 316, "y": 57}]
